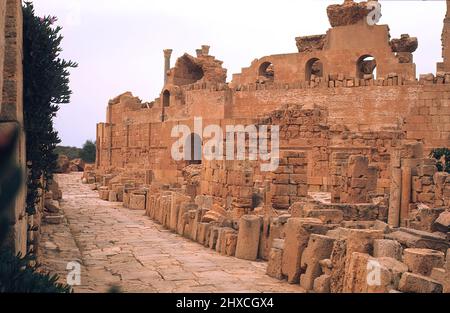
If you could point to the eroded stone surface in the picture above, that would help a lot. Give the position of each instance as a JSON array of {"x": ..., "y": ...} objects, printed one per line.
[{"x": 347, "y": 13}]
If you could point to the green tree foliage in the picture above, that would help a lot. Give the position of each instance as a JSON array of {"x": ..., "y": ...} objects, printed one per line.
[
  {"x": 88, "y": 152},
  {"x": 18, "y": 275},
  {"x": 71, "y": 152},
  {"x": 46, "y": 86},
  {"x": 442, "y": 155}
]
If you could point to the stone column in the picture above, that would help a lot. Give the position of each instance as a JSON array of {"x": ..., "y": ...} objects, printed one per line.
[
  {"x": 205, "y": 50},
  {"x": 445, "y": 65},
  {"x": 248, "y": 237},
  {"x": 167, "y": 55},
  {"x": 395, "y": 197},
  {"x": 406, "y": 195}
]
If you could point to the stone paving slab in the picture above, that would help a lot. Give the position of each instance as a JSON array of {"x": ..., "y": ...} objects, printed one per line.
[{"x": 125, "y": 249}]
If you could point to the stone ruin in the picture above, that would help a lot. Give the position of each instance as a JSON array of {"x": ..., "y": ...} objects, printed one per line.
[{"x": 355, "y": 205}]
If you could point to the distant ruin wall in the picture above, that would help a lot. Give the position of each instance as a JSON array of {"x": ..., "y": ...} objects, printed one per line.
[{"x": 366, "y": 118}]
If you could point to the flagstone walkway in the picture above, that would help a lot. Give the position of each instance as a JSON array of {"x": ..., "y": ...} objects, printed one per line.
[{"x": 122, "y": 248}]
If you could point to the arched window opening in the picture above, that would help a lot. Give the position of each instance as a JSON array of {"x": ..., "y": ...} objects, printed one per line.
[
  {"x": 366, "y": 66},
  {"x": 266, "y": 72},
  {"x": 193, "y": 149},
  {"x": 314, "y": 69},
  {"x": 166, "y": 98}
]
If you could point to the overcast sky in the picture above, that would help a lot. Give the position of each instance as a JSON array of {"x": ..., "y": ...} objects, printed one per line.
[{"x": 118, "y": 43}]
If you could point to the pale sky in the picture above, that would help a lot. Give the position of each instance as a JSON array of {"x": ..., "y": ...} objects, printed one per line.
[{"x": 118, "y": 43}]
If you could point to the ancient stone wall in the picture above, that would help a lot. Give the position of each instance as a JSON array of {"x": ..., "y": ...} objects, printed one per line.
[
  {"x": 11, "y": 106},
  {"x": 368, "y": 119},
  {"x": 2, "y": 45}
]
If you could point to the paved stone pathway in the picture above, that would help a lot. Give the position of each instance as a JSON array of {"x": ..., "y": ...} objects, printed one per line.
[{"x": 125, "y": 249}]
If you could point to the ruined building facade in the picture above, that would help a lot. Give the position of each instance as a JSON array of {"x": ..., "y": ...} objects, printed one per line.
[{"x": 355, "y": 122}]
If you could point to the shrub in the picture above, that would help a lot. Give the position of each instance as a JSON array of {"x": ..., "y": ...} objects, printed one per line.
[
  {"x": 442, "y": 155},
  {"x": 88, "y": 152}
]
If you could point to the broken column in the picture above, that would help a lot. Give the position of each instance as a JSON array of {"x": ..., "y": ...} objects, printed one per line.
[
  {"x": 205, "y": 50},
  {"x": 167, "y": 55},
  {"x": 248, "y": 237},
  {"x": 395, "y": 191},
  {"x": 274, "y": 266},
  {"x": 410, "y": 156},
  {"x": 406, "y": 194},
  {"x": 414, "y": 283},
  {"x": 422, "y": 261}
]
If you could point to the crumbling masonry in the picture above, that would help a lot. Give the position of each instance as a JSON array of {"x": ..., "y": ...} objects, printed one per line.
[{"x": 355, "y": 195}]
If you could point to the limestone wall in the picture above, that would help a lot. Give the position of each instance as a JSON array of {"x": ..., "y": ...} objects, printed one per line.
[
  {"x": 11, "y": 107},
  {"x": 367, "y": 119}
]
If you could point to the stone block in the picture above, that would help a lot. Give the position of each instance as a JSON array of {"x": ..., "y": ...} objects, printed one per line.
[
  {"x": 357, "y": 166},
  {"x": 126, "y": 200},
  {"x": 203, "y": 228},
  {"x": 322, "y": 284},
  {"x": 412, "y": 238},
  {"x": 103, "y": 193},
  {"x": 338, "y": 256},
  {"x": 51, "y": 206},
  {"x": 414, "y": 283},
  {"x": 296, "y": 241},
  {"x": 447, "y": 273},
  {"x": 137, "y": 202},
  {"x": 213, "y": 235},
  {"x": 319, "y": 248},
  {"x": 231, "y": 243},
  {"x": 442, "y": 223},
  {"x": 248, "y": 237},
  {"x": 274, "y": 266},
  {"x": 439, "y": 275},
  {"x": 422, "y": 261},
  {"x": 387, "y": 248},
  {"x": 222, "y": 239},
  {"x": 278, "y": 244},
  {"x": 53, "y": 219},
  {"x": 112, "y": 196},
  {"x": 361, "y": 240},
  {"x": 366, "y": 274},
  {"x": 264, "y": 243},
  {"x": 327, "y": 216},
  {"x": 427, "y": 170}
]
